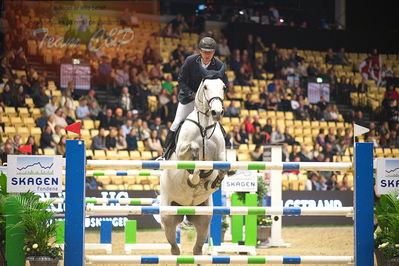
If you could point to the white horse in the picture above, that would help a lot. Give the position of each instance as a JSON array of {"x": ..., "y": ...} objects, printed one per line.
[{"x": 201, "y": 138}]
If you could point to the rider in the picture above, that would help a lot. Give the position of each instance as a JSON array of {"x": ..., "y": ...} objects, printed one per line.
[{"x": 189, "y": 80}]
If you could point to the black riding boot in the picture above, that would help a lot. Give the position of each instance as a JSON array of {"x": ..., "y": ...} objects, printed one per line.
[{"x": 169, "y": 146}]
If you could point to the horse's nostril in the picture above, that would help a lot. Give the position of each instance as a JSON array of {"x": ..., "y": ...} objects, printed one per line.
[
  {"x": 221, "y": 113},
  {"x": 213, "y": 113}
]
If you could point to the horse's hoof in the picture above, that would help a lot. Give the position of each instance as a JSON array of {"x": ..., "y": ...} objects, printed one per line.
[
  {"x": 175, "y": 251},
  {"x": 197, "y": 251}
]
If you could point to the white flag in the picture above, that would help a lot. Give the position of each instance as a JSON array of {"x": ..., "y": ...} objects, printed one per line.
[{"x": 359, "y": 130}]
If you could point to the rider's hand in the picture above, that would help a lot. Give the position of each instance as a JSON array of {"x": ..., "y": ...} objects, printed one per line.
[{"x": 191, "y": 95}]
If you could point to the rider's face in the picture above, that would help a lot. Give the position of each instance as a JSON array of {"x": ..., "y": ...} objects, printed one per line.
[{"x": 206, "y": 56}]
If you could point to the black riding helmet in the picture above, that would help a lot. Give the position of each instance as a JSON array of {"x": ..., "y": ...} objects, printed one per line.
[{"x": 207, "y": 44}]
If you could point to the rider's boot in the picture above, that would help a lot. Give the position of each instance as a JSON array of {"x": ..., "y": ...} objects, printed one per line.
[{"x": 169, "y": 146}]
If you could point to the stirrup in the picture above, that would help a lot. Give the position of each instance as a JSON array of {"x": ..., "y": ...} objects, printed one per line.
[{"x": 160, "y": 158}]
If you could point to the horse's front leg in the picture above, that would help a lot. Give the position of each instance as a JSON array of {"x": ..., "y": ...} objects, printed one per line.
[
  {"x": 220, "y": 156},
  {"x": 170, "y": 223}
]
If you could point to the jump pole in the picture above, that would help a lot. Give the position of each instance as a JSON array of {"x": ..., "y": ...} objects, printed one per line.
[{"x": 363, "y": 196}]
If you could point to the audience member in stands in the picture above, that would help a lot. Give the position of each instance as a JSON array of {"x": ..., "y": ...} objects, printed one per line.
[
  {"x": 121, "y": 143},
  {"x": 363, "y": 86},
  {"x": 258, "y": 137},
  {"x": 6, "y": 151},
  {"x": 32, "y": 141},
  {"x": 223, "y": 48},
  {"x": 108, "y": 120},
  {"x": 311, "y": 182},
  {"x": 20, "y": 97},
  {"x": 332, "y": 183},
  {"x": 110, "y": 139},
  {"x": 268, "y": 128},
  {"x": 153, "y": 143},
  {"x": 321, "y": 138},
  {"x": 288, "y": 138},
  {"x": 249, "y": 103},
  {"x": 61, "y": 146},
  {"x": 256, "y": 154},
  {"x": 60, "y": 118},
  {"x": 131, "y": 140},
  {"x": 248, "y": 125},
  {"x": 46, "y": 139},
  {"x": 375, "y": 59},
  {"x": 82, "y": 111},
  {"x": 365, "y": 67},
  {"x": 344, "y": 185},
  {"x": 51, "y": 107},
  {"x": 330, "y": 57},
  {"x": 98, "y": 142},
  {"x": 125, "y": 101},
  {"x": 51, "y": 123},
  {"x": 341, "y": 58},
  {"x": 277, "y": 136},
  {"x": 232, "y": 111},
  {"x": 321, "y": 184},
  {"x": 6, "y": 97},
  {"x": 322, "y": 104}
]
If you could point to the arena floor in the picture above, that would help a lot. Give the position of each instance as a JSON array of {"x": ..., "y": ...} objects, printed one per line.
[{"x": 336, "y": 241}]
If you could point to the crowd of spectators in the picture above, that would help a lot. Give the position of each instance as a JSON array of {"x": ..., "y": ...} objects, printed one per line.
[{"x": 134, "y": 77}]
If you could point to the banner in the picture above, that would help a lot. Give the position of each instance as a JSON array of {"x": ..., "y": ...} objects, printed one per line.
[
  {"x": 316, "y": 90},
  {"x": 35, "y": 173},
  {"x": 387, "y": 175}
]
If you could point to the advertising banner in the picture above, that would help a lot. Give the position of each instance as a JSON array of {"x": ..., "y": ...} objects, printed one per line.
[
  {"x": 35, "y": 173},
  {"x": 387, "y": 175}
]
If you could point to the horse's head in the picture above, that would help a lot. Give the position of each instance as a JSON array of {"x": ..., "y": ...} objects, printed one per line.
[{"x": 213, "y": 92}]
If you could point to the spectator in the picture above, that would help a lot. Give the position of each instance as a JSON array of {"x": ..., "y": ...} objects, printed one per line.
[
  {"x": 341, "y": 58},
  {"x": 32, "y": 141},
  {"x": 311, "y": 183},
  {"x": 259, "y": 45},
  {"x": 288, "y": 138},
  {"x": 60, "y": 118},
  {"x": 125, "y": 100},
  {"x": 304, "y": 154},
  {"x": 157, "y": 125},
  {"x": 82, "y": 111},
  {"x": 99, "y": 142},
  {"x": 223, "y": 48},
  {"x": 46, "y": 139},
  {"x": 145, "y": 131},
  {"x": 249, "y": 128},
  {"x": 40, "y": 99},
  {"x": 154, "y": 143},
  {"x": 20, "y": 97},
  {"x": 331, "y": 113},
  {"x": 121, "y": 143},
  {"x": 156, "y": 71},
  {"x": 91, "y": 97},
  {"x": 51, "y": 107},
  {"x": 243, "y": 77},
  {"x": 61, "y": 146},
  {"x": 321, "y": 138},
  {"x": 344, "y": 185},
  {"x": 16, "y": 142},
  {"x": 235, "y": 62},
  {"x": 108, "y": 120},
  {"x": 322, "y": 104},
  {"x": 51, "y": 123},
  {"x": 131, "y": 140},
  {"x": 268, "y": 128},
  {"x": 359, "y": 119},
  {"x": 258, "y": 138},
  {"x": 363, "y": 86},
  {"x": 122, "y": 77},
  {"x": 322, "y": 184},
  {"x": 232, "y": 111},
  {"x": 244, "y": 134},
  {"x": 95, "y": 111},
  {"x": 236, "y": 137},
  {"x": 249, "y": 103},
  {"x": 375, "y": 59},
  {"x": 104, "y": 71},
  {"x": 277, "y": 136},
  {"x": 110, "y": 140},
  {"x": 330, "y": 57},
  {"x": 332, "y": 183},
  {"x": 6, "y": 151},
  {"x": 256, "y": 154},
  {"x": 365, "y": 67},
  {"x": 119, "y": 117}
]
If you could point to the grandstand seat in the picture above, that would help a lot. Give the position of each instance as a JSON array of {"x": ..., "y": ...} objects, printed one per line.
[
  {"x": 105, "y": 180},
  {"x": 243, "y": 157},
  {"x": 10, "y": 111},
  {"x": 99, "y": 155},
  {"x": 129, "y": 180},
  {"x": 23, "y": 112},
  {"x": 111, "y": 155},
  {"x": 135, "y": 155},
  {"x": 49, "y": 151},
  {"x": 117, "y": 180},
  {"x": 9, "y": 131},
  {"x": 146, "y": 155},
  {"x": 88, "y": 124},
  {"x": 140, "y": 145},
  {"x": 123, "y": 155}
]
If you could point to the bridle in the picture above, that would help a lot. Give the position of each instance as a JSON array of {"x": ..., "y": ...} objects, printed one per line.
[{"x": 206, "y": 113}]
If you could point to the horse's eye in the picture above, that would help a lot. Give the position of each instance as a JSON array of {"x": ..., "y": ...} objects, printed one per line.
[{"x": 205, "y": 87}]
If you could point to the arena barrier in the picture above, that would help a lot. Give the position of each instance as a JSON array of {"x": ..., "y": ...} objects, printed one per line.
[{"x": 363, "y": 207}]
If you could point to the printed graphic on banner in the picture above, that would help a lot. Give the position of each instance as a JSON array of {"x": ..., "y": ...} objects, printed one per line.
[
  {"x": 34, "y": 173},
  {"x": 3, "y": 170},
  {"x": 387, "y": 175},
  {"x": 242, "y": 181}
]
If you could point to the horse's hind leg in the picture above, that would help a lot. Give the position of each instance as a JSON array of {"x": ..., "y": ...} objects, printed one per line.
[
  {"x": 201, "y": 223},
  {"x": 170, "y": 223}
]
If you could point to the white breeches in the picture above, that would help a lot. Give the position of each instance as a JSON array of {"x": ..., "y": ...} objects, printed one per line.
[{"x": 183, "y": 110}]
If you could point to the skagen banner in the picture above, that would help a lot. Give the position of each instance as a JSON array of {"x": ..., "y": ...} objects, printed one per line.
[
  {"x": 330, "y": 199},
  {"x": 118, "y": 222}
]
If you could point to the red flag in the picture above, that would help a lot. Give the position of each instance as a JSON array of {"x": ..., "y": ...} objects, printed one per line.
[
  {"x": 25, "y": 148},
  {"x": 75, "y": 128}
]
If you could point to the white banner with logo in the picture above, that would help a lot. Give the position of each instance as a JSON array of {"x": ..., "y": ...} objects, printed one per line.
[
  {"x": 244, "y": 181},
  {"x": 316, "y": 90},
  {"x": 387, "y": 175},
  {"x": 35, "y": 173}
]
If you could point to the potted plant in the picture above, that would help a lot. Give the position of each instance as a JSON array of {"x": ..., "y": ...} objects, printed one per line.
[
  {"x": 264, "y": 230},
  {"x": 39, "y": 230},
  {"x": 225, "y": 226},
  {"x": 387, "y": 233}
]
